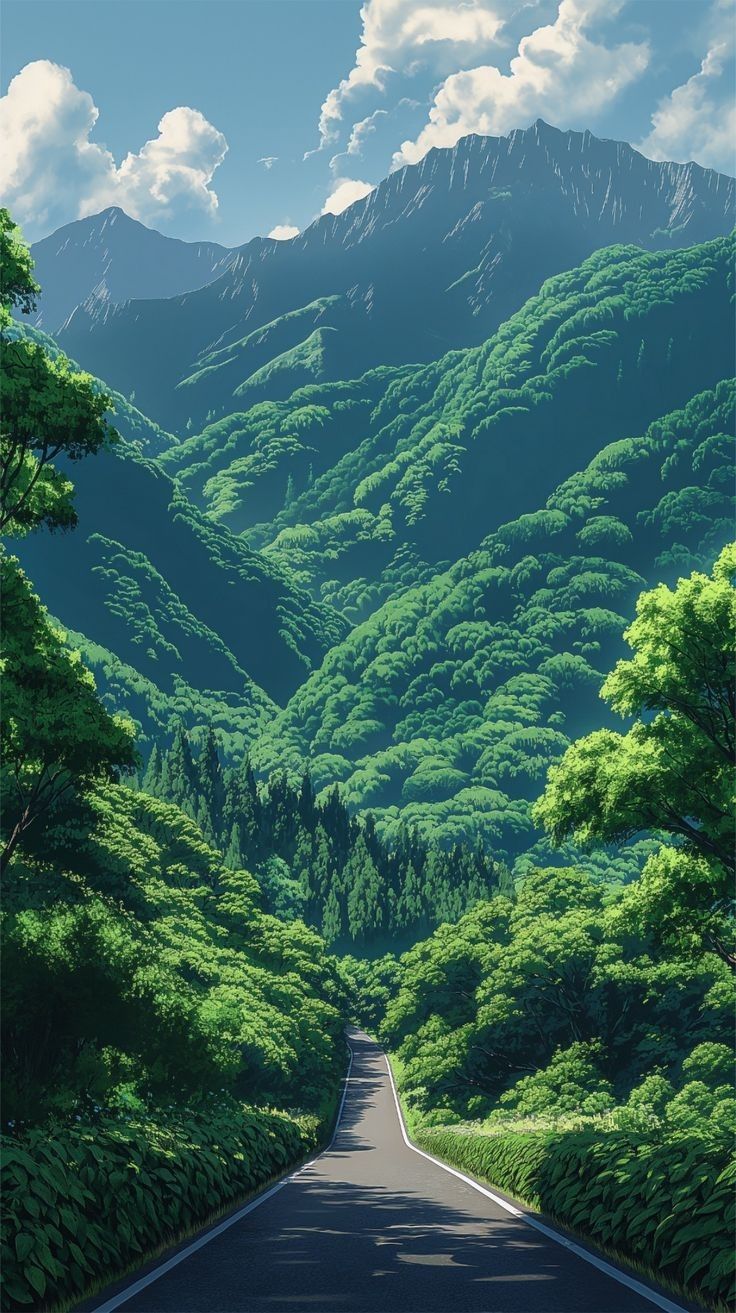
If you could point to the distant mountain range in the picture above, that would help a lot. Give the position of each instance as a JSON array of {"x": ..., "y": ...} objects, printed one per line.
[
  {"x": 108, "y": 258},
  {"x": 436, "y": 257}
]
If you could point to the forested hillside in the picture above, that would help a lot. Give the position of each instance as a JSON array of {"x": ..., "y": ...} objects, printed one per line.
[
  {"x": 177, "y": 597},
  {"x": 385, "y": 464},
  {"x": 313, "y": 860},
  {"x": 448, "y": 705},
  {"x": 436, "y": 257}
]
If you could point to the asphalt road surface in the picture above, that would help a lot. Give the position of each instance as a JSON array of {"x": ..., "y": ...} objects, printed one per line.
[{"x": 371, "y": 1226}]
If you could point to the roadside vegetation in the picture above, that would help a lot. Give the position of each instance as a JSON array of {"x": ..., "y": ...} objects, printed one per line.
[{"x": 574, "y": 1045}]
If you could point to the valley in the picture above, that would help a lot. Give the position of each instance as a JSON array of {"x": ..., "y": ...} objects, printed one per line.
[{"x": 368, "y": 624}]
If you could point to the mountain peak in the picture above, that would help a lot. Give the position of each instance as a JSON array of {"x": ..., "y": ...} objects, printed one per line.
[
  {"x": 110, "y": 257},
  {"x": 436, "y": 257}
]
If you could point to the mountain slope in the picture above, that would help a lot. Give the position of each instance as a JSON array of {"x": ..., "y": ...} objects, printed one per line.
[
  {"x": 437, "y": 256},
  {"x": 447, "y": 706},
  {"x": 110, "y": 258},
  {"x": 411, "y": 470},
  {"x": 151, "y": 579}
]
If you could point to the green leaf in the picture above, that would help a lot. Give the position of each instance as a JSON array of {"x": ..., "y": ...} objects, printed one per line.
[
  {"x": 23, "y": 1245},
  {"x": 37, "y": 1279}
]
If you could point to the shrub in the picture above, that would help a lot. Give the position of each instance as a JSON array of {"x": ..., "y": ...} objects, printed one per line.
[
  {"x": 667, "y": 1203},
  {"x": 82, "y": 1205}
]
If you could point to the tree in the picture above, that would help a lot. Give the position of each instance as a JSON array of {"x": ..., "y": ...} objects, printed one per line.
[
  {"x": 56, "y": 736},
  {"x": 179, "y": 775},
  {"x": 365, "y": 903},
  {"x": 17, "y": 285},
  {"x": 151, "y": 782},
  {"x": 48, "y": 408},
  {"x": 211, "y": 785},
  {"x": 332, "y": 921},
  {"x": 672, "y": 771}
]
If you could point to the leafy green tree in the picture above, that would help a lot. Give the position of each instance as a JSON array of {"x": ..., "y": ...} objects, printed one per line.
[
  {"x": 48, "y": 408},
  {"x": 18, "y": 287},
  {"x": 672, "y": 771},
  {"x": 571, "y": 1083},
  {"x": 56, "y": 736}
]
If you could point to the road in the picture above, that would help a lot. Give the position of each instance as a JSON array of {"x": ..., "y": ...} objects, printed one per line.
[{"x": 372, "y": 1226}]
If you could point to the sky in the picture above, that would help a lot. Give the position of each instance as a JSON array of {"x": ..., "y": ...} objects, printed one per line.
[{"x": 225, "y": 119}]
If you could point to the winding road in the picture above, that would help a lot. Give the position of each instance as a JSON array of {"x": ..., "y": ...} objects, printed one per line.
[{"x": 375, "y": 1226}]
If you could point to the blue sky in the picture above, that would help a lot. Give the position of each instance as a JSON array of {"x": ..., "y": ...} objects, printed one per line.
[{"x": 227, "y": 118}]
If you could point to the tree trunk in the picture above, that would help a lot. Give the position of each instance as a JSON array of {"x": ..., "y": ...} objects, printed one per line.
[{"x": 11, "y": 846}]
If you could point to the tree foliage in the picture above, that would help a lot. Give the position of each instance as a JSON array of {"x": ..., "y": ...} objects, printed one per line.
[
  {"x": 48, "y": 407},
  {"x": 55, "y": 735},
  {"x": 315, "y": 860},
  {"x": 673, "y": 770}
]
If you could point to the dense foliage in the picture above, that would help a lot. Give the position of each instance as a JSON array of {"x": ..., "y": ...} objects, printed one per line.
[
  {"x": 55, "y": 735},
  {"x": 139, "y": 968},
  {"x": 667, "y": 1205},
  {"x": 673, "y": 770},
  {"x": 587, "y": 986},
  {"x": 313, "y": 859},
  {"x": 81, "y": 1202},
  {"x": 448, "y": 705},
  {"x": 49, "y": 409},
  {"x": 585, "y": 1029},
  {"x": 142, "y": 981}
]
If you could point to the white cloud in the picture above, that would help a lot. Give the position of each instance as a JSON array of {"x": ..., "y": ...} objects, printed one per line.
[
  {"x": 268, "y": 161},
  {"x": 560, "y": 73},
  {"x": 283, "y": 232},
  {"x": 345, "y": 192},
  {"x": 50, "y": 171},
  {"x": 398, "y": 35},
  {"x": 363, "y": 129},
  {"x": 697, "y": 121}
]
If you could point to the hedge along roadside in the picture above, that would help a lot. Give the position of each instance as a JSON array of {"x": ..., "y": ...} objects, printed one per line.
[
  {"x": 668, "y": 1205},
  {"x": 82, "y": 1205}
]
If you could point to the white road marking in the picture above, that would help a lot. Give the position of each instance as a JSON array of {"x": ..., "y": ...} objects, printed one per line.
[
  {"x": 646, "y": 1293},
  {"x": 163, "y": 1268}
]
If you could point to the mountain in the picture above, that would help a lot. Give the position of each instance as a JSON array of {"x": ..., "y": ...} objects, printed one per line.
[
  {"x": 109, "y": 258},
  {"x": 399, "y": 472},
  {"x": 436, "y": 257}
]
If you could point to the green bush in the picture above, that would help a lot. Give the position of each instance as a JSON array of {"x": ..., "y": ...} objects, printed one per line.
[
  {"x": 666, "y": 1203},
  {"x": 81, "y": 1205}
]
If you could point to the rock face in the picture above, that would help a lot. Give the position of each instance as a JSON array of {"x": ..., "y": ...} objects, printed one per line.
[
  {"x": 110, "y": 257},
  {"x": 436, "y": 257}
]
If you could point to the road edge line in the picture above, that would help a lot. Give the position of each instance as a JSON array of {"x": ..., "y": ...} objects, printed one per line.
[
  {"x": 623, "y": 1278},
  {"x": 124, "y": 1295}
]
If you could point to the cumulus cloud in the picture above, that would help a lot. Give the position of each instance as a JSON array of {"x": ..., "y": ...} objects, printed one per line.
[
  {"x": 51, "y": 172},
  {"x": 362, "y": 129},
  {"x": 697, "y": 121},
  {"x": 399, "y": 35},
  {"x": 283, "y": 232},
  {"x": 345, "y": 192},
  {"x": 561, "y": 73},
  {"x": 268, "y": 161}
]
